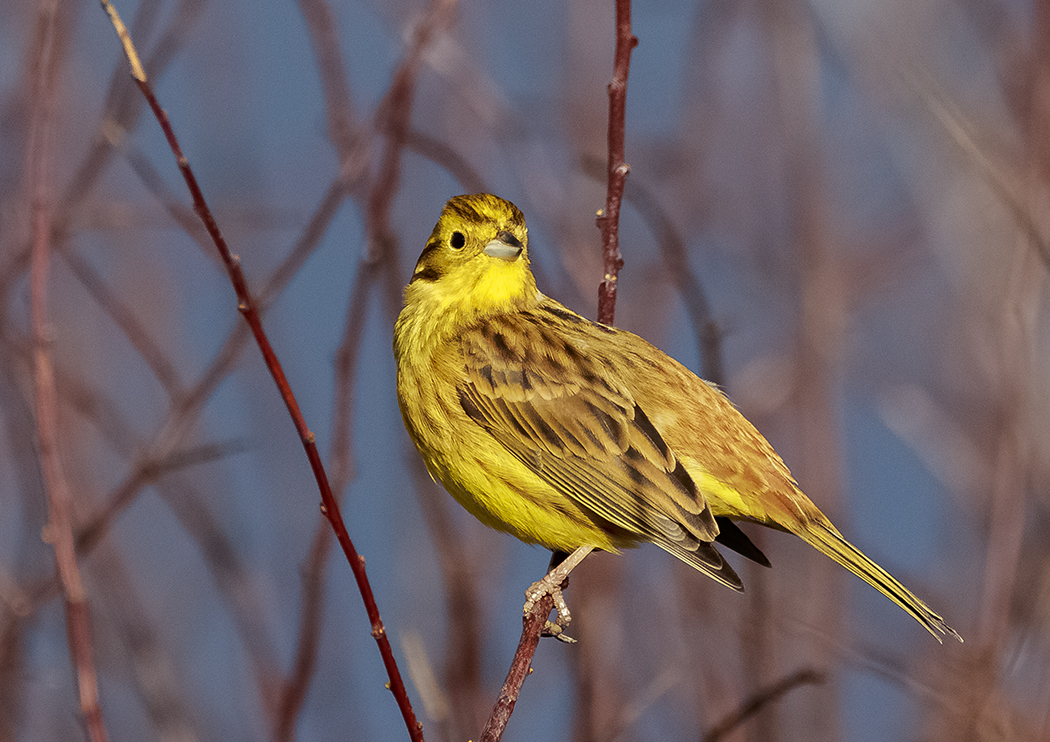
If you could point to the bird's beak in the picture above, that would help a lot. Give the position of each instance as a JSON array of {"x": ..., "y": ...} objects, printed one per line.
[{"x": 505, "y": 247}]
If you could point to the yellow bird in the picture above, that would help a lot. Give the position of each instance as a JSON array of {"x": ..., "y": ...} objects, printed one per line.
[{"x": 576, "y": 435}]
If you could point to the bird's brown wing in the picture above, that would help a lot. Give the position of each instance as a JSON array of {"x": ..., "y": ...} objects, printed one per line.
[{"x": 561, "y": 410}]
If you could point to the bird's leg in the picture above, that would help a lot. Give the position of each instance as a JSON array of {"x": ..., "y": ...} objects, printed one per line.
[{"x": 557, "y": 574}]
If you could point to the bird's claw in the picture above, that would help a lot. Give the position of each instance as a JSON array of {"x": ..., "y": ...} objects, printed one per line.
[
  {"x": 557, "y": 631},
  {"x": 547, "y": 586}
]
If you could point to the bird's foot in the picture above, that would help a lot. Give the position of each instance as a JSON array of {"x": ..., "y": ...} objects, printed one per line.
[
  {"x": 551, "y": 585},
  {"x": 556, "y": 579}
]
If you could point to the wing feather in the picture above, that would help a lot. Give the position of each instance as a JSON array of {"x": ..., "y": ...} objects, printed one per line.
[{"x": 561, "y": 410}]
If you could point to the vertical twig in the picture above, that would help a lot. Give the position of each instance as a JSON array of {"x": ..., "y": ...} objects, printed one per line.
[
  {"x": 609, "y": 219},
  {"x": 608, "y": 223},
  {"x": 59, "y": 529}
]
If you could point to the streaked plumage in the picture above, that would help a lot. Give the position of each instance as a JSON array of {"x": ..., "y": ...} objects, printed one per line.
[{"x": 565, "y": 432}]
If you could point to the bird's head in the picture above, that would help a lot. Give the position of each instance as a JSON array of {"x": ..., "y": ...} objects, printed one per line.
[{"x": 476, "y": 260}]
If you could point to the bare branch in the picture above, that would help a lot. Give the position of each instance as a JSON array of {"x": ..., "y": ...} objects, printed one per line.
[
  {"x": 247, "y": 307},
  {"x": 608, "y": 223},
  {"x": 520, "y": 667},
  {"x": 609, "y": 219}
]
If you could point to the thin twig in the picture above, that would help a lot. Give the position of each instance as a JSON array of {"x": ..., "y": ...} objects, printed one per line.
[
  {"x": 146, "y": 658},
  {"x": 608, "y": 223},
  {"x": 194, "y": 512},
  {"x": 247, "y": 307},
  {"x": 127, "y": 320},
  {"x": 759, "y": 700},
  {"x": 120, "y": 113},
  {"x": 163, "y": 454},
  {"x": 676, "y": 257},
  {"x": 339, "y": 110},
  {"x": 293, "y": 695},
  {"x": 609, "y": 219},
  {"x": 995, "y": 175},
  {"x": 59, "y": 529},
  {"x": 520, "y": 667},
  {"x": 442, "y": 153}
]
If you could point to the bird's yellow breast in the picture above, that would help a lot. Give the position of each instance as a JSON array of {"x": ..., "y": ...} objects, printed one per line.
[{"x": 482, "y": 475}]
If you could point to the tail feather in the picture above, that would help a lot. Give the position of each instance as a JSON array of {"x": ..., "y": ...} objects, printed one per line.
[
  {"x": 829, "y": 541},
  {"x": 731, "y": 537}
]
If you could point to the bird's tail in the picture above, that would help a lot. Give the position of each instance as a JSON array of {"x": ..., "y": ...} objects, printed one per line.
[{"x": 826, "y": 539}]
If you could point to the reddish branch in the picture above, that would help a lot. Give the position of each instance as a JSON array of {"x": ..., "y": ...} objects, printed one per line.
[
  {"x": 247, "y": 307},
  {"x": 609, "y": 220},
  {"x": 393, "y": 121},
  {"x": 520, "y": 667},
  {"x": 329, "y": 507},
  {"x": 59, "y": 529}
]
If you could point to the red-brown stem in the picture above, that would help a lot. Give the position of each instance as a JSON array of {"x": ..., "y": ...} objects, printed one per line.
[
  {"x": 330, "y": 507},
  {"x": 59, "y": 529},
  {"x": 609, "y": 220},
  {"x": 322, "y": 25},
  {"x": 520, "y": 667},
  {"x": 293, "y": 695}
]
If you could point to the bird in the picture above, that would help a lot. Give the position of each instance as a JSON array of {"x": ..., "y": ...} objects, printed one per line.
[{"x": 579, "y": 436}]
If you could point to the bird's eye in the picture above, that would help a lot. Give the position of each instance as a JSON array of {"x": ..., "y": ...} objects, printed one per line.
[{"x": 458, "y": 240}]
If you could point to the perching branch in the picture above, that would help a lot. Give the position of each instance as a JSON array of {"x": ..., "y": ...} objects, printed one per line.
[
  {"x": 520, "y": 667},
  {"x": 247, "y": 307},
  {"x": 608, "y": 222}
]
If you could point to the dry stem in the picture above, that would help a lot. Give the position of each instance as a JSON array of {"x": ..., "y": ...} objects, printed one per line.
[{"x": 247, "y": 307}]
